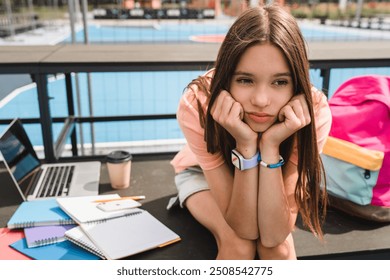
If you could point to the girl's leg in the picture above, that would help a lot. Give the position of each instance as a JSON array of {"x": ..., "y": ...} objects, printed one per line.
[
  {"x": 205, "y": 210},
  {"x": 284, "y": 251}
]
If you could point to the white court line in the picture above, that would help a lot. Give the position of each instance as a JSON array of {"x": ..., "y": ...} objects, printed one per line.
[{"x": 8, "y": 98}]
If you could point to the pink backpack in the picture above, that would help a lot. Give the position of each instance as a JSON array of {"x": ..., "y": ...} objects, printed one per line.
[{"x": 361, "y": 115}]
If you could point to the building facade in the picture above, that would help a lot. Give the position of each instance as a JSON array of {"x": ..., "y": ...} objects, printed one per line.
[{"x": 228, "y": 7}]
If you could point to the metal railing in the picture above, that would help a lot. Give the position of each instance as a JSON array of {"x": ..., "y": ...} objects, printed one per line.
[{"x": 182, "y": 61}]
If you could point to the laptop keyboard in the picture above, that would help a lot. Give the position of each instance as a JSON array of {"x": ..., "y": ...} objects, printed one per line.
[{"x": 56, "y": 181}]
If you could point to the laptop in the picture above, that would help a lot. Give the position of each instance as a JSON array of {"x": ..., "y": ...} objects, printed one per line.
[{"x": 39, "y": 181}]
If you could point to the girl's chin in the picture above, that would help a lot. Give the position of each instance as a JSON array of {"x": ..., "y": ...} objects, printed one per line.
[{"x": 259, "y": 128}]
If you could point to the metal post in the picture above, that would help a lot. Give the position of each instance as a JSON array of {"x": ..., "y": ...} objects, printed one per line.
[
  {"x": 342, "y": 5},
  {"x": 10, "y": 18},
  {"x": 72, "y": 20},
  {"x": 31, "y": 11},
  {"x": 359, "y": 8},
  {"x": 84, "y": 8},
  {"x": 71, "y": 112},
  {"x": 325, "y": 74},
  {"x": 45, "y": 116}
]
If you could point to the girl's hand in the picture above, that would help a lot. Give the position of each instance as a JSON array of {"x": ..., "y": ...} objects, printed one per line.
[
  {"x": 292, "y": 117},
  {"x": 229, "y": 114}
]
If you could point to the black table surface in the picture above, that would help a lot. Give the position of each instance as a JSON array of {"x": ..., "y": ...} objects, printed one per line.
[{"x": 345, "y": 237}]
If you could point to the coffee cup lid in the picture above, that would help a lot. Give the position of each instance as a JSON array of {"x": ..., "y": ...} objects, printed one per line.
[{"x": 119, "y": 156}]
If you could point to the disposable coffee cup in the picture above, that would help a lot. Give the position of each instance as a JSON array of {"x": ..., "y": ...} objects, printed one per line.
[{"x": 119, "y": 169}]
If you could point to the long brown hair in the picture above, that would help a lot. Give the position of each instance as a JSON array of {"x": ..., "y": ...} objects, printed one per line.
[{"x": 274, "y": 25}]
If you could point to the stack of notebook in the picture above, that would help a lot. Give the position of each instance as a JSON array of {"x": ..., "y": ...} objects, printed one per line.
[
  {"x": 40, "y": 226},
  {"x": 114, "y": 234},
  {"x": 80, "y": 228}
]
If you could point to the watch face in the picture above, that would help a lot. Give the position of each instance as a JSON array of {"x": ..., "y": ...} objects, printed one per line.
[{"x": 236, "y": 160}]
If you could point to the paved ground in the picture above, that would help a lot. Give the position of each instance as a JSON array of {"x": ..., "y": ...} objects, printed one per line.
[{"x": 9, "y": 83}]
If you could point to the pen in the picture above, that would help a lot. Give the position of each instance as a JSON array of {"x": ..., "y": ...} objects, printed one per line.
[{"x": 137, "y": 197}]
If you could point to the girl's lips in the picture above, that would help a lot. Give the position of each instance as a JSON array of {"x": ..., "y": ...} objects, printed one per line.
[{"x": 260, "y": 118}]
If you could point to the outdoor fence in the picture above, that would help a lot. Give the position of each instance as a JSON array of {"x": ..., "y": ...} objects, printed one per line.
[
  {"x": 325, "y": 59},
  {"x": 130, "y": 86}
]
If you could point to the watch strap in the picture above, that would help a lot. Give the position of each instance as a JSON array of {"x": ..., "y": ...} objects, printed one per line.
[{"x": 242, "y": 163}]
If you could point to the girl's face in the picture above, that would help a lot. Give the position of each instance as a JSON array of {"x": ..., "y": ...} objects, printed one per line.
[{"x": 262, "y": 84}]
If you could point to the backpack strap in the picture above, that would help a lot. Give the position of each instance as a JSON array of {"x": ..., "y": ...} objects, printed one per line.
[{"x": 354, "y": 154}]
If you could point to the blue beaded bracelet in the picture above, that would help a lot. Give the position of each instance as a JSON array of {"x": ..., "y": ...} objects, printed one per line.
[{"x": 275, "y": 165}]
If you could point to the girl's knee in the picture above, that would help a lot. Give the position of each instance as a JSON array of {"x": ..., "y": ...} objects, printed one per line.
[
  {"x": 283, "y": 251},
  {"x": 237, "y": 249}
]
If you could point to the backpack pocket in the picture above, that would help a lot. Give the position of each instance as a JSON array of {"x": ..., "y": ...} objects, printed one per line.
[{"x": 351, "y": 171}]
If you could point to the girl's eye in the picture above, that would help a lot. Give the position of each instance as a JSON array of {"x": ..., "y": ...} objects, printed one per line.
[
  {"x": 281, "y": 82},
  {"x": 244, "y": 81}
]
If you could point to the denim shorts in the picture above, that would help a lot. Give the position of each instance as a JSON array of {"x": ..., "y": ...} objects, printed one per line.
[{"x": 188, "y": 182}]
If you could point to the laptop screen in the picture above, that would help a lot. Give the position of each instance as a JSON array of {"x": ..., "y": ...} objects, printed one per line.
[{"x": 18, "y": 152}]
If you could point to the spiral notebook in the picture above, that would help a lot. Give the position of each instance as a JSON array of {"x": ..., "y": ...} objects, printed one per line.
[
  {"x": 44, "y": 212},
  {"x": 85, "y": 208},
  {"x": 58, "y": 251},
  {"x": 78, "y": 237},
  {"x": 45, "y": 235},
  {"x": 128, "y": 235}
]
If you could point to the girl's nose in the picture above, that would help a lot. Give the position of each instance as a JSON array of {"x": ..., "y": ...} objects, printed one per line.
[{"x": 260, "y": 97}]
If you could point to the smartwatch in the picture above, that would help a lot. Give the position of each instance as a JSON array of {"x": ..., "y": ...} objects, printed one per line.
[{"x": 242, "y": 163}]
